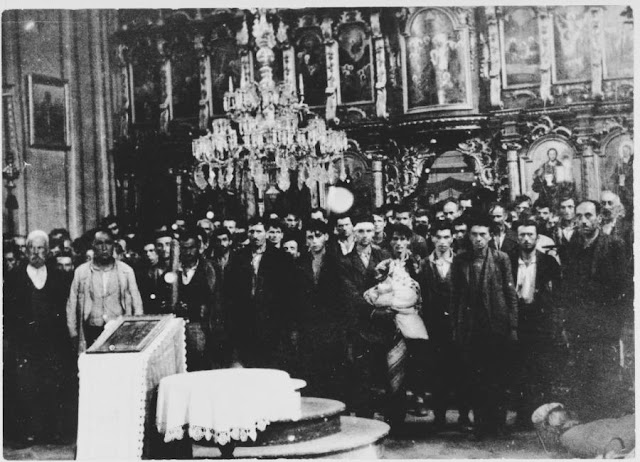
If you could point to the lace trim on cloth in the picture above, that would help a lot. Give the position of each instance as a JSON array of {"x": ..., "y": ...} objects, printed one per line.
[
  {"x": 145, "y": 385},
  {"x": 222, "y": 437}
]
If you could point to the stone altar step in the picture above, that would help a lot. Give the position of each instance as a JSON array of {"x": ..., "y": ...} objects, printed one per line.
[{"x": 358, "y": 438}]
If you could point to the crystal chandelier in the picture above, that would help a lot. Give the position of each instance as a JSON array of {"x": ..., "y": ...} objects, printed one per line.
[{"x": 269, "y": 130}]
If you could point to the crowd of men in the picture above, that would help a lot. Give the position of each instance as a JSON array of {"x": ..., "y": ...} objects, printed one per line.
[{"x": 518, "y": 300}]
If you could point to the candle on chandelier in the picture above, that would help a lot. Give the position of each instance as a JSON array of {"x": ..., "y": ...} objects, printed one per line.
[
  {"x": 301, "y": 84},
  {"x": 230, "y": 84}
]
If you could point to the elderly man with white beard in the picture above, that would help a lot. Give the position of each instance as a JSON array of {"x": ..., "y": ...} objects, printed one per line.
[{"x": 39, "y": 350}]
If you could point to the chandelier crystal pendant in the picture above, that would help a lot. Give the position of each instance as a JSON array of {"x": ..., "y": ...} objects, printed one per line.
[{"x": 269, "y": 129}]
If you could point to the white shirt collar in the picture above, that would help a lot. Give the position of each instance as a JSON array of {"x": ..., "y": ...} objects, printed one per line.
[
  {"x": 532, "y": 261},
  {"x": 448, "y": 257},
  {"x": 37, "y": 275}
]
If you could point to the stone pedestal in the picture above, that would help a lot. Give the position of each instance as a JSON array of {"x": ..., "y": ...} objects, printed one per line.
[{"x": 321, "y": 432}]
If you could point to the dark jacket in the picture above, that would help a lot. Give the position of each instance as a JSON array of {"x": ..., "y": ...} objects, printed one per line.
[
  {"x": 197, "y": 298},
  {"x": 320, "y": 302},
  {"x": 562, "y": 243},
  {"x": 498, "y": 295},
  {"x": 437, "y": 296},
  {"x": 543, "y": 309},
  {"x": 509, "y": 243},
  {"x": 260, "y": 322},
  {"x": 596, "y": 289},
  {"x": 30, "y": 332},
  {"x": 362, "y": 319}
]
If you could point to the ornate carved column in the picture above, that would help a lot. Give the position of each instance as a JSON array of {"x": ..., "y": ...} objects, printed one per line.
[
  {"x": 513, "y": 168},
  {"x": 378, "y": 180},
  {"x": 102, "y": 134},
  {"x": 75, "y": 214},
  {"x": 333, "y": 68},
  {"x": 166, "y": 86},
  {"x": 126, "y": 95},
  {"x": 204, "y": 70},
  {"x": 381, "y": 68},
  {"x": 597, "y": 47},
  {"x": 546, "y": 52},
  {"x": 495, "y": 62},
  {"x": 589, "y": 172}
]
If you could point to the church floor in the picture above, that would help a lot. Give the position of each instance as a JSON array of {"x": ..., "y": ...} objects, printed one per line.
[{"x": 415, "y": 441}]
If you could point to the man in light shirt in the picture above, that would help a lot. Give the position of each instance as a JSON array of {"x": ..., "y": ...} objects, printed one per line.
[
  {"x": 101, "y": 291},
  {"x": 540, "y": 328}
]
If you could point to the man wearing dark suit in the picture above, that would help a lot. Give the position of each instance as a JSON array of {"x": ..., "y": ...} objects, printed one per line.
[
  {"x": 597, "y": 296},
  {"x": 375, "y": 345},
  {"x": 540, "y": 323},
  {"x": 221, "y": 243},
  {"x": 322, "y": 343},
  {"x": 437, "y": 295},
  {"x": 485, "y": 321},
  {"x": 38, "y": 345},
  {"x": 196, "y": 302},
  {"x": 261, "y": 303},
  {"x": 502, "y": 238},
  {"x": 150, "y": 279}
]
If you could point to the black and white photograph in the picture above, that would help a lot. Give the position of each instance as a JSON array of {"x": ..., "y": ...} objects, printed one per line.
[{"x": 354, "y": 230}]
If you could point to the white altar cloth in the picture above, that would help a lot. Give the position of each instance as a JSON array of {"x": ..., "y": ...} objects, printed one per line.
[
  {"x": 225, "y": 404},
  {"x": 115, "y": 391}
]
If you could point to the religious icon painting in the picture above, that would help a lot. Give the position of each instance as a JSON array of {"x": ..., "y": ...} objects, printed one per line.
[
  {"x": 554, "y": 169},
  {"x": 572, "y": 42},
  {"x": 185, "y": 79},
  {"x": 356, "y": 64},
  {"x": 311, "y": 64},
  {"x": 436, "y": 62},
  {"x": 48, "y": 112},
  {"x": 520, "y": 47},
  {"x": 225, "y": 70},
  {"x": 618, "y": 42},
  {"x": 145, "y": 75},
  {"x": 616, "y": 165}
]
